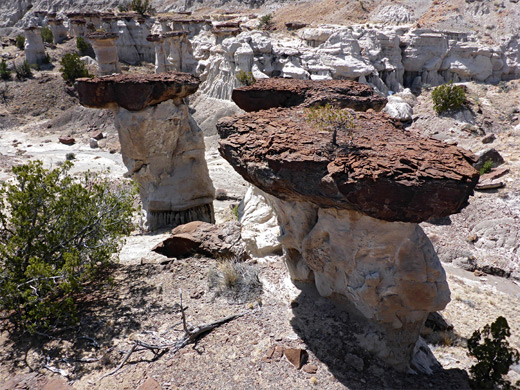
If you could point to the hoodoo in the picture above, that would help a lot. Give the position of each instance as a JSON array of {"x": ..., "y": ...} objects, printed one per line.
[
  {"x": 349, "y": 211},
  {"x": 162, "y": 146}
]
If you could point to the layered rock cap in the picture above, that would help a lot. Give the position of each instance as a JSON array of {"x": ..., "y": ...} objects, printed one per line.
[
  {"x": 283, "y": 92},
  {"x": 380, "y": 170},
  {"x": 135, "y": 92}
]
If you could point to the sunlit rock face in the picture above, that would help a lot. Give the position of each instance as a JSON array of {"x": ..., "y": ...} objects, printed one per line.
[
  {"x": 162, "y": 146},
  {"x": 104, "y": 45},
  {"x": 34, "y": 48},
  {"x": 349, "y": 211}
]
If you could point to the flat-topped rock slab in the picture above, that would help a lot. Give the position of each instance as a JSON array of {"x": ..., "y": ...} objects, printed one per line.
[
  {"x": 135, "y": 92},
  {"x": 282, "y": 92},
  {"x": 382, "y": 171}
]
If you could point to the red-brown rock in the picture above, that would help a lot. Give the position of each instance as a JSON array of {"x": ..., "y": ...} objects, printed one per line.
[
  {"x": 280, "y": 92},
  {"x": 135, "y": 92},
  {"x": 67, "y": 140},
  {"x": 382, "y": 171}
]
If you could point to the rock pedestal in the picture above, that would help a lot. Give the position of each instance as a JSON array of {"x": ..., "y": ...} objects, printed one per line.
[
  {"x": 34, "y": 48},
  {"x": 349, "y": 212},
  {"x": 160, "y": 57},
  {"x": 162, "y": 146},
  {"x": 59, "y": 31},
  {"x": 104, "y": 45},
  {"x": 78, "y": 28},
  {"x": 180, "y": 53}
]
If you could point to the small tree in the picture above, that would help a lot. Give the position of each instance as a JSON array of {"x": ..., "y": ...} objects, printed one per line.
[
  {"x": 448, "y": 97},
  {"x": 493, "y": 354},
  {"x": 46, "y": 34},
  {"x": 5, "y": 72},
  {"x": 82, "y": 45},
  {"x": 332, "y": 119},
  {"x": 72, "y": 67},
  {"x": 20, "y": 42},
  {"x": 141, "y": 7},
  {"x": 56, "y": 231}
]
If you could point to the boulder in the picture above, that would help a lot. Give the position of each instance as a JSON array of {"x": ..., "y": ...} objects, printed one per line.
[{"x": 280, "y": 92}]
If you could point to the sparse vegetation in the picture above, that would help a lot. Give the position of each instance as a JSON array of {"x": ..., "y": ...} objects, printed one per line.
[
  {"x": 23, "y": 70},
  {"x": 5, "y": 72},
  {"x": 486, "y": 167},
  {"x": 245, "y": 78},
  {"x": 235, "y": 280},
  {"x": 494, "y": 356},
  {"x": 47, "y": 34},
  {"x": 235, "y": 212},
  {"x": 142, "y": 7},
  {"x": 448, "y": 97},
  {"x": 20, "y": 42},
  {"x": 56, "y": 232},
  {"x": 330, "y": 118},
  {"x": 72, "y": 67},
  {"x": 70, "y": 156},
  {"x": 4, "y": 93},
  {"x": 266, "y": 22},
  {"x": 82, "y": 45}
]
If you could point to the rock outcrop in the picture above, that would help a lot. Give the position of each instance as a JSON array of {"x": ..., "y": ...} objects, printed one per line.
[
  {"x": 34, "y": 48},
  {"x": 349, "y": 213},
  {"x": 104, "y": 45},
  {"x": 162, "y": 146},
  {"x": 58, "y": 29}
]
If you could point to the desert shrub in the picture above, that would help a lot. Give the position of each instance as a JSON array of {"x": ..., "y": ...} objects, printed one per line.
[
  {"x": 486, "y": 167},
  {"x": 46, "y": 34},
  {"x": 20, "y": 42},
  {"x": 23, "y": 70},
  {"x": 266, "y": 22},
  {"x": 5, "y": 72},
  {"x": 46, "y": 59},
  {"x": 142, "y": 7},
  {"x": 123, "y": 8},
  {"x": 72, "y": 67},
  {"x": 448, "y": 97},
  {"x": 82, "y": 45},
  {"x": 245, "y": 78},
  {"x": 236, "y": 281},
  {"x": 493, "y": 354},
  {"x": 56, "y": 232},
  {"x": 331, "y": 119},
  {"x": 70, "y": 156},
  {"x": 5, "y": 96}
]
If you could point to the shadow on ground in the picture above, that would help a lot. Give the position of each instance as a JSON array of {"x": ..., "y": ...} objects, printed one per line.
[{"x": 329, "y": 333}]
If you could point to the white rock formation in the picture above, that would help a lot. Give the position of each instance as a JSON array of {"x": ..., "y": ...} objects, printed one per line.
[
  {"x": 58, "y": 29},
  {"x": 78, "y": 28},
  {"x": 260, "y": 229},
  {"x": 160, "y": 57},
  {"x": 34, "y": 48},
  {"x": 398, "y": 108},
  {"x": 388, "y": 271},
  {"x": 104, "y": 45}
]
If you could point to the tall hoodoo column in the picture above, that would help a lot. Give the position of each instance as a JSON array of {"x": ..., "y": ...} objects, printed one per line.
[
  {"x": 174, "y": 49},
  {"x": 34, "y": 48},
  {"x": 349, "y": 212},
  {"x": 162, "y": 146},
  {"x": 104, "y": 45},
  {"x": 78, "y": 27},
  {"x": 59, "y": 31},
  {"x": 160, "y": 57}
]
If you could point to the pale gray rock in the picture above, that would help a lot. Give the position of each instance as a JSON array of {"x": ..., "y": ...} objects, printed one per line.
[
  {"x": 34, "y": 48},
  {"x": 398, "y": 108}
]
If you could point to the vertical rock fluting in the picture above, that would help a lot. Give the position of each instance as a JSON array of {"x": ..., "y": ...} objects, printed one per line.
[
  {"x": 161, "y": 144},
  {"x": 34, "y": 48},
  {"x": 104, "y": 45},
  {"x": 349, "y": 213}
]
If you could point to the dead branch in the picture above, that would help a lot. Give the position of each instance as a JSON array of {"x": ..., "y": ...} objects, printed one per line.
[{"x": 191, "y": 335}]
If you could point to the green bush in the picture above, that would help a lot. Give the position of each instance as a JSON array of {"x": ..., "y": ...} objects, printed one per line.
[
  {"x": 486, "y": 167},
  {"x": 493, "y": 354},
  {"x": 23, "y": 70},
  {"x": 20, "y": 42},
  {"x": 82, "y": 45},
  {"x": 72, "y": 67},
  {"x": 332, "y": 119},
  {"x": 266, "y": 22},
  {"x": 47, "y": 34},
  {"x": 56, "y": 232},
  {"x": 245, "y": 78},
  {"x": 141, "y": 7},
  {"x": 5, "y": 72},
  {"x": 448, "y": 97}
]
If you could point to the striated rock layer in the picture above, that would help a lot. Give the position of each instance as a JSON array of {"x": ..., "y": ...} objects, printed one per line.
[
  {"x": 280, "y": 92},
  {"x": 383, "y": 171},
  {"x": 349, "y": 211},
  {"x": 162, "y": 146}
]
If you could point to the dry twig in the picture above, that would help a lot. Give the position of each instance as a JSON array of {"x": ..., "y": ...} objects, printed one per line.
[{"x": 191, "y": 335}]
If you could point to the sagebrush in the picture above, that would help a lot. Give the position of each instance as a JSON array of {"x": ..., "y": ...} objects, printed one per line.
[
  {"x": 56, "y": 232},
  {"x": 245, "y": 78},
  {"x": 333, "y": 119},
  {"x": 20, "y": 42},
  {"x": 23, "y": 70},
  {"x": 5, "y": 72},
  {"x": 448, "y": 97}
]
